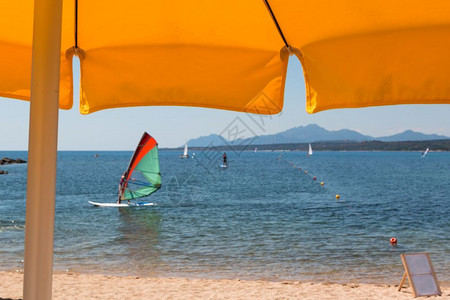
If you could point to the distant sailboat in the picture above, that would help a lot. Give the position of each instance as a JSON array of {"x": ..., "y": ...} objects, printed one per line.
[
  {"x": 310, "y": 152},
  {"x": 185, "y": 153},
  {"x": 425, "y": 152}
]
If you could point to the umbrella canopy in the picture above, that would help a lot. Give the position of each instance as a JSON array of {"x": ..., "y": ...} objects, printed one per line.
[
  {"x": 228, "y": 55},
  {"x": 232, "y": 55}
]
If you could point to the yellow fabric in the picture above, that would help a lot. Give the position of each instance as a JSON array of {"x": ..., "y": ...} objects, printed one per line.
[
  {"x": 370, "y": 53},
  {"x": 406, "y": 76},
  {"x": 16, "y": 37},
  {"x": 226, "y": 54},
  {"x": 194, "y": 53}
]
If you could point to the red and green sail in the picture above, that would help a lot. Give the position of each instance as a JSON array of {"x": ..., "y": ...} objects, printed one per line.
[{"x": 143, "y": 176}]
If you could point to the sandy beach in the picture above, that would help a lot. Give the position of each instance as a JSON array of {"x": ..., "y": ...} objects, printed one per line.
[{"x": 81, "y": 286}]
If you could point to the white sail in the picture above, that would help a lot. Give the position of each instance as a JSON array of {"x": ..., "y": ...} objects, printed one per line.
[
  {"x": 425, "y": 152},
  {"x": 185, "y": 152},
  {"x": 310, "y": 152}
]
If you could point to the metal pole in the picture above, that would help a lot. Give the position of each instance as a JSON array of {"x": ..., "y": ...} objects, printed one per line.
[{"x": 42, "y": 148}]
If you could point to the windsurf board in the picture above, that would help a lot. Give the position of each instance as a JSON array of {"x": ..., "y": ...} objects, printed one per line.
[{"x": 102, "y": 204}]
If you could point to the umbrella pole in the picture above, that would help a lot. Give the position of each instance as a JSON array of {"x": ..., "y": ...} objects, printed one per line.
[{"x": 42, "y": 149}]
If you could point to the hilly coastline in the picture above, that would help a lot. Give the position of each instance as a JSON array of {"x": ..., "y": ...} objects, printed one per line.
[{"x": 345, "y": 139}]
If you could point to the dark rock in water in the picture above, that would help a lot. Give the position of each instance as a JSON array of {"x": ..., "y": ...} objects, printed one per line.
[
  {"x": 6, "y": 161},
  {"x": 3, "y": 172},
  {"x": 9, "y": 161}
]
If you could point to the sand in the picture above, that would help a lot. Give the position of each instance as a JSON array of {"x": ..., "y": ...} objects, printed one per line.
[{"x": 80, "y": 286}]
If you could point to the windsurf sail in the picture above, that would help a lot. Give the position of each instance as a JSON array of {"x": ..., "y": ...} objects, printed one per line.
[
  {"x": 310, "y": 152},
  {"x": 142, "y": 177},
  {"x": 425, "y": 152}
]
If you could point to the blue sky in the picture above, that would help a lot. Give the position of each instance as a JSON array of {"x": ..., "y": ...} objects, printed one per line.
[{"x": 120, "y": 129}]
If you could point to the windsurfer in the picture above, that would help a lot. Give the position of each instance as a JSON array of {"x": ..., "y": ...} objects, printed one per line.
[
  {"x": 121, "y": 188},
  {"x": 224, "y": 157}
]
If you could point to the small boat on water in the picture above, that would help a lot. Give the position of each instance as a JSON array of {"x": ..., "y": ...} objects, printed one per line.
[
  {"x": 310, "y": 151},
  {"x": 185, "y": 152},
  {"x": 425, "y": 152}
]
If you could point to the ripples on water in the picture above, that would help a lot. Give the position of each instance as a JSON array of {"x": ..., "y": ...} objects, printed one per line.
[{"x": 262, "y": 217}]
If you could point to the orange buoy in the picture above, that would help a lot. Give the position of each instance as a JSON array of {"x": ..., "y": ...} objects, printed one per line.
[
  {"x": 321, "y": 183},
  {"x": 393, "y": 241},
  {"x": 337, "y": 196},
  {"x": 314, "y": 178}
]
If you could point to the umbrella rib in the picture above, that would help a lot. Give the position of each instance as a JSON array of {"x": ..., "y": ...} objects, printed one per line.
[
  {"x": 76, "y": 24},
  {"x": 276, "y": 23}
]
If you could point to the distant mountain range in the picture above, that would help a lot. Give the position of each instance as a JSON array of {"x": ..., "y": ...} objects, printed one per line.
[{"x": 314, "y": 133}]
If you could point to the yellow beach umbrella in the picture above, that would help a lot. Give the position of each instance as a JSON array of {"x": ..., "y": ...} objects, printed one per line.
[
  {"x": 233, "y": 55},
  {"x": 219, "y": 54}
]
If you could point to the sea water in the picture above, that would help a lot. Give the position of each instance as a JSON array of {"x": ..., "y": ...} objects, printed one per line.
[{"x": 263, "y": 217}]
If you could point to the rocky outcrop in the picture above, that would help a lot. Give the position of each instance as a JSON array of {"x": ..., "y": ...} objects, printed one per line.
[
  {"x": 3, "y": 172},
  {"x": 10, "y": 161}
]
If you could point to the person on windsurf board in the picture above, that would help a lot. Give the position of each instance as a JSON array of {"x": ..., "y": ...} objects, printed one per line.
[
  {"x": 122, "y": 184},
  {"x": 225, "y": 159},
  {"x": 142, "y": 177}
]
